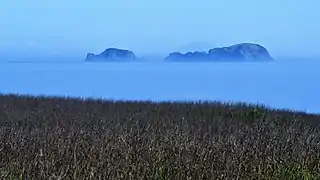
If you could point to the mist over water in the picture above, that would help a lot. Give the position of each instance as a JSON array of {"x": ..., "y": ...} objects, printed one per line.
[{"x": 289, "y": 84}]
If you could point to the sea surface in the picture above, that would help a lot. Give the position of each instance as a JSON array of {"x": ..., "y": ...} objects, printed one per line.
[{"x": 290, "y": 84}]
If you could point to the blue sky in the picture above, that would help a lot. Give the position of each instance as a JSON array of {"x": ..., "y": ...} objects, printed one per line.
[{"x": 285, "y": 28}]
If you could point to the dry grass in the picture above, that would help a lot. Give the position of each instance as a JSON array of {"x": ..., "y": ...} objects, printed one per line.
[{"x": 65, "y": 138}]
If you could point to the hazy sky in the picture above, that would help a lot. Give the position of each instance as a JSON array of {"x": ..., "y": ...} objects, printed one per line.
[{"x": 284, "y": 27}]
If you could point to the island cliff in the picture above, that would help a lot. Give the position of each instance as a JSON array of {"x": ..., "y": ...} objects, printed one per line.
[
  {"x": 237, "y": 52},
  {"x": 112, "y": 54}
]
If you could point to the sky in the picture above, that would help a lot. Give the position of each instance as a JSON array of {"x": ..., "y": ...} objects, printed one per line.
[{"x": 286, "y": 28}]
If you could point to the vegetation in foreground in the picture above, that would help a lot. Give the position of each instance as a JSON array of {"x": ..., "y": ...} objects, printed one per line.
[{"x": 65, "y": 138}]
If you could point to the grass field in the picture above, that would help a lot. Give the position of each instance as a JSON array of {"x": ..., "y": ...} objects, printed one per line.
[{"x": 64, "y": 138}]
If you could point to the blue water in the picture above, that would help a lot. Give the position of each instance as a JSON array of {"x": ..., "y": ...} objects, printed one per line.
[{"x": 292, "y": 84}]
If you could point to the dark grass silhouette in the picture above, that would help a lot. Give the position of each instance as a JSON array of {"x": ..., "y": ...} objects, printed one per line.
[{"x": 65, "y": 138}]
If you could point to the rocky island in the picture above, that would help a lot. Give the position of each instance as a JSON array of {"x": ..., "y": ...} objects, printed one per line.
[
  {"x": 237, "y": 52},
  {"x": 112, "y": 54}
]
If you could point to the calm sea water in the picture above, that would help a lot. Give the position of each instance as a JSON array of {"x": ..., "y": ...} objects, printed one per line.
[{"x": 290, "y": 84}]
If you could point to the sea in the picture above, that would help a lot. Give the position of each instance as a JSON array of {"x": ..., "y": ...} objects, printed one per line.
[{"x": 287, "y": 84}]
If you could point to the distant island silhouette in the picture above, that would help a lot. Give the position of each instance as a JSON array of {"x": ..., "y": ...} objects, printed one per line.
[
  {"x": 113, "y": 54},
  {"x": 237, "y": 52}
]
